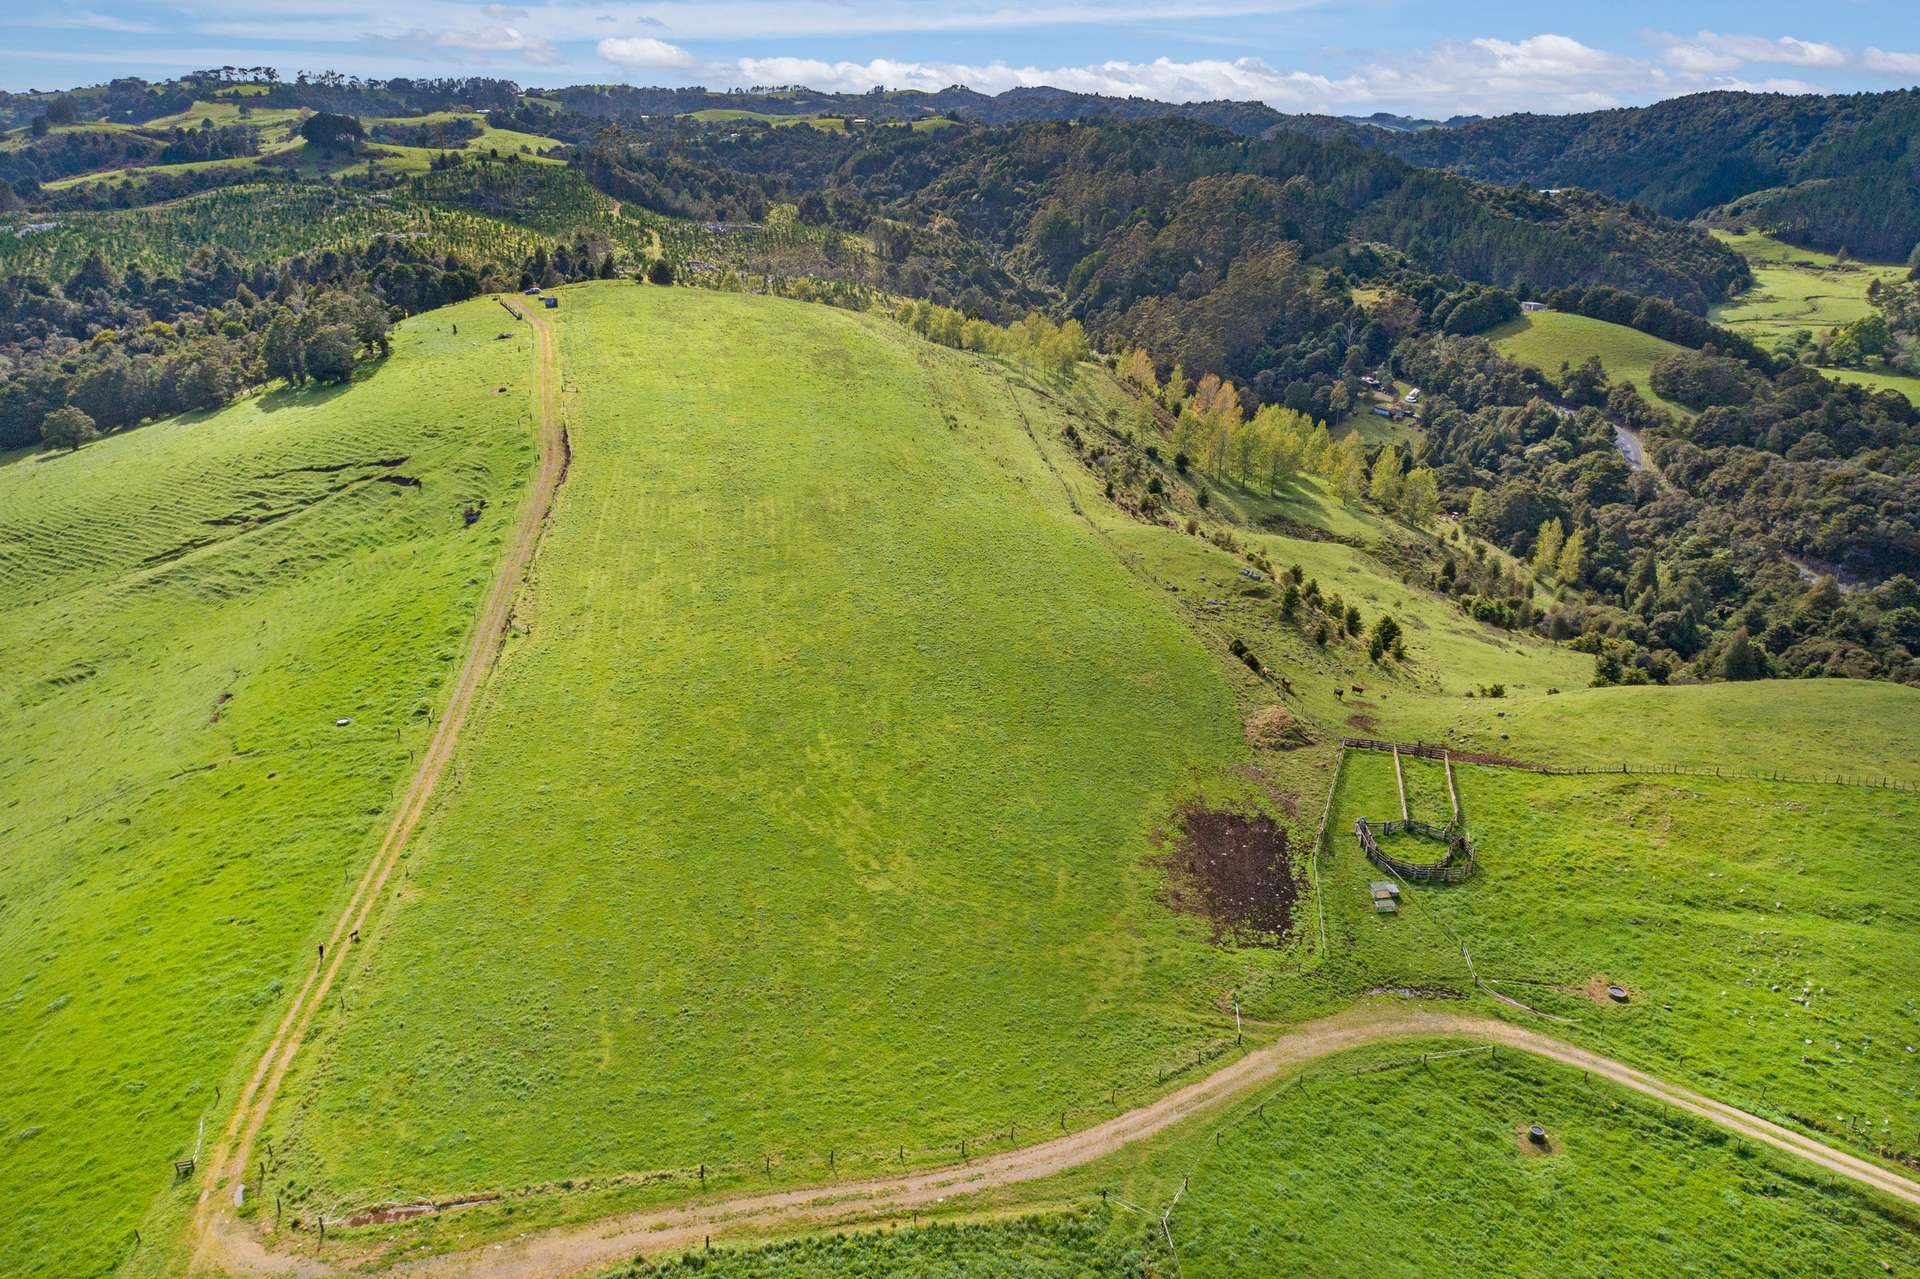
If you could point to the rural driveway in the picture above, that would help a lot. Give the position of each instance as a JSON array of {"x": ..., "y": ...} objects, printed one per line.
[
  {"x": 213, "y": 1226},
  {"x": 574, "y": 1250}
]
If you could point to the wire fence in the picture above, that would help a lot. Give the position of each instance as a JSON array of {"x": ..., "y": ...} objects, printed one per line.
[
  {"x": 349, "y": 1209},
  {"x": 1253, "y": 1114},
  {"x": 1429, "y": 750}
]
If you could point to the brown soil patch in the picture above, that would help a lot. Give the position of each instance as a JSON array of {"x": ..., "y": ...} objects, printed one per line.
[
  {"x": 1596, "y": 990},
  {"x": 1233, "y": 870},
  {"x": 1275, "y": 728},
  {"x": 1365, "y": 723},
  {"x": 406, "y": 1212},
  {"x": 1417, "y": 992},
  {"x": 1524, "y": 1141}
]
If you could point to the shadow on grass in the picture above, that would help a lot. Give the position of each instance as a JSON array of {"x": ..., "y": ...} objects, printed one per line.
[{"x": 281, "y": 396}]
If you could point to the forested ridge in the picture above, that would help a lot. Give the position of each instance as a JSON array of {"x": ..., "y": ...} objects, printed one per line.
[
  {"x": 1256, "y": 284},
  {"x": 1832, "y": 172}
]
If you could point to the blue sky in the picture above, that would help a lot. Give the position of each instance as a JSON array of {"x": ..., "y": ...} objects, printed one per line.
[{"x": 1347, "y": 56}]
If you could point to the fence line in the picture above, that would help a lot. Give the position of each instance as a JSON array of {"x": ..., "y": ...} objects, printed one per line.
[
  {"x": 1250, "y": 1111},
  {"x": 1319, "y": 842},
  {"x": 1428, "y": 750},
  {"x": 1451, "y": 869}
]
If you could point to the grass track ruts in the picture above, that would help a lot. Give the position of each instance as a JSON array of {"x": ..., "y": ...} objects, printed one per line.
[
  {"x": 575, "y": 1250},
  {"x": 226, "y": 1165}
]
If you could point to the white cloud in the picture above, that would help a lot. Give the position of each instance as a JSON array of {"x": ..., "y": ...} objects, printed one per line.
[
  {"x": 1545, "y": 72},
  {"x": 721, "y": 20},
  {"x": 1773, "y": 84},
  {"x": 1162, "y": 78},
  {"x": 1899, "y": 64},
  {"x": 1711, "y": 51},
  {"x": 644, "y": 51},
  {"x": 522, "y": 46},
  {"x": 87, "y": 20}
]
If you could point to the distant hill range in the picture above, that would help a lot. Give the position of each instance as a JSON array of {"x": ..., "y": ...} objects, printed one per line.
[
  {"x": 1831, "y": 172},
  {"x": 1409, "y": 124}
]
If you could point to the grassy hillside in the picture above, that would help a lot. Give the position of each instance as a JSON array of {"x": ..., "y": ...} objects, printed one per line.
[
  {"x": 497, "y": 216},
  {"x": 1549, "y": 339},
  {"x": 1375, "y": 1162},
  {"x": 1802, "y": 728},
  {"x": 282, "y": 150},
  {"x": 1795, "y": 288},
  {"x": 853, "y": 739},
  {"x": 1422, "y": 1170},
  {"x": 1798, "y": 289},
  {"x": 1757, "y": 925},
  {"x": 188, "y": 609}
]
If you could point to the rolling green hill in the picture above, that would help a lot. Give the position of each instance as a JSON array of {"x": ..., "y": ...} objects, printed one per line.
[
  {"x": 500, "y": 215},
  {"x": 1762, "y": 970},
  {"x": 188, "y": 610},
  {"x": 1403, "y": 1160},
  {"x": 1804, "y": 290},
  {"x": 1549, "y": 339},
  {"x": 842, "y": 838},
  {"x": 825, "y": 811}
]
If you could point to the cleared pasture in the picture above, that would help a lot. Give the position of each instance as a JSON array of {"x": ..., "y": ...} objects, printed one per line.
[
  {"x": 188, "y": 609},
  {"x": 1548, "y": 339},
  {"x": 810, "y": 826},
  {"x": 1757, "y": 926}
]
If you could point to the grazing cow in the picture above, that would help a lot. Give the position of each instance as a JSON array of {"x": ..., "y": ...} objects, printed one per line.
[{"x": 1340, "y": 693}]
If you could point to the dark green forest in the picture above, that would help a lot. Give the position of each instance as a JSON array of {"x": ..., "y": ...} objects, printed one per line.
[{"x": 1776, "y": 529}]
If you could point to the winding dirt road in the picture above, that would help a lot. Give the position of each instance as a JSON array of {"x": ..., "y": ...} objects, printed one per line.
[
  {"x": 222, "y": 1244},
  {"x": 573, "y": 1250},
  {"x": 216, "y": 1235}
]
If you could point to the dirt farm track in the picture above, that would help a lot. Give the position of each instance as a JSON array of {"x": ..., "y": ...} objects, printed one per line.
[{"x": 222, "y": 1243}]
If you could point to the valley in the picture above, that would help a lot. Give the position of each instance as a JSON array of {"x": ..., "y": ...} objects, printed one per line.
[{"x": 630, "y": 682}]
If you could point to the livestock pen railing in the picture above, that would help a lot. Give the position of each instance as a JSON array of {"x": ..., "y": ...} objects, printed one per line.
[{"x": 1451, "y": 869}]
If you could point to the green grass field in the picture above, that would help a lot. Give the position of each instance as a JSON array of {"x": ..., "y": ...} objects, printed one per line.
[
  {"x": 188, "y": 608},
  {"x": 813, "y": 824},
  {"x": 1798, "y": 728},
  {"x": 828, "y": 123},
  {"x": 727, "y": 115},
  {"x": 1374, "y": 1162},
  {"x": 1421, "y": 1170},
  {"x": 548, "y": 203},
  {"x": 1795, "y": 289},
  {"x": 1718, "y": 903},
  {"x": 283, "y": 150},
  {"x": 1548, "y": 339},
  {"x": 838, "y": 840}
]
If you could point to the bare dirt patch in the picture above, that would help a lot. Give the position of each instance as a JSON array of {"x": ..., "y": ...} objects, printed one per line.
[
  {"x": 1233, "y": 870},
  {"x": 1365, "y": 723},
  {"x": 1596, "y": 989},
  {"x": 1275, "y": 728},
  {"x": 406, "y": 1212},
  {"x": 1417, "y": 992}
]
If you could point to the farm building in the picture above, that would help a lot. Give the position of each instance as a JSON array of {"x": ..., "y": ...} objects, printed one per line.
[{"x": 1532, "y": 307}]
